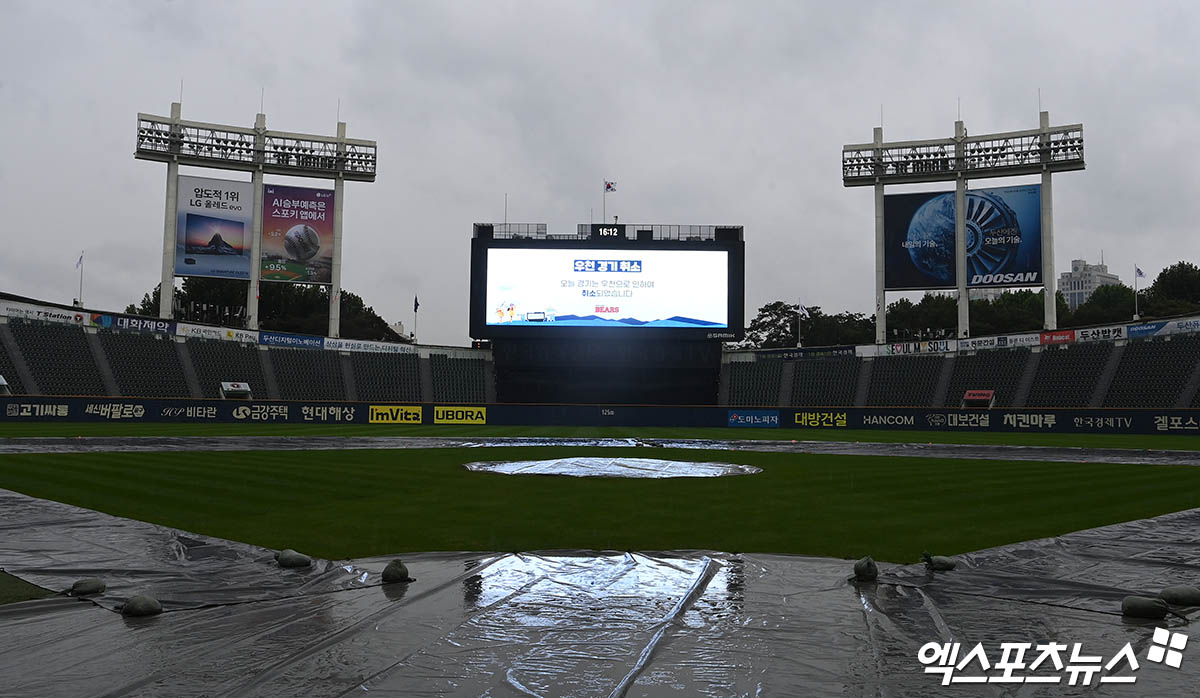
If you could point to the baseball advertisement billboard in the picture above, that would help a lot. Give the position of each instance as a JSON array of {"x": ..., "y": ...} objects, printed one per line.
[
  {"x": 213, "y": 226},
  {"x": 1004, "y": 239},
  {"x": 297, "y": 240}
]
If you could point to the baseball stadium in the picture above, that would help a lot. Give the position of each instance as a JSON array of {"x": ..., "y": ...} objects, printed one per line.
[{"x": 606, "y": 494}]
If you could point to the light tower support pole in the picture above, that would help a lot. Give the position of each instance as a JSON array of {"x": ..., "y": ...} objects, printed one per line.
[
  {"x": 335, "y": 290},
  {"x": 256, "y": 225},
  {"x": 1048, "y": 281},
  {"x": 880, "y": 294},
  {"x": 960, "y": 233},
  {"x": 166, "y": 287}
]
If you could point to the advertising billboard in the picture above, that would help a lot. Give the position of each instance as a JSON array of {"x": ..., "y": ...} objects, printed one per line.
[
  {"x": 1004, "y": 239},
  {"x": 297, "y": 239},
  {"x": 213, "y": 228},
  {"x": 528, "y": 288}
]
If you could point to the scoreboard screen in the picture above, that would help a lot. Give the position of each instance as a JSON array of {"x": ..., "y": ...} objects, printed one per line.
[{"x": 556, "y": 288}]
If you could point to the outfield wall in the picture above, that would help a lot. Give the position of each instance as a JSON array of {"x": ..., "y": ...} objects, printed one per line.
[{"x": 1078, "y": 421}]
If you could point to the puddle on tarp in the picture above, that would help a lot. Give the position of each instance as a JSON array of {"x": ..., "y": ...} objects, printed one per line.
[{"x": 613, "y": 467}]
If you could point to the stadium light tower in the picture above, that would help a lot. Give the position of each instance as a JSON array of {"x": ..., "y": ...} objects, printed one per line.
[
  {"x": 258, "y": 151},
  {"x": 1044, "y": 150}
]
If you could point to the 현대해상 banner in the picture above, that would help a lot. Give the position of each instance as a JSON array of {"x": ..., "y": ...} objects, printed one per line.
[
  {"x": 1003, "y": 237},
  {"x": 213, "y": 227},
  {"x": 297, "y": 239}
]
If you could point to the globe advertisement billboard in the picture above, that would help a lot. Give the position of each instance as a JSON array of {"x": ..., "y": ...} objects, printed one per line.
[
  {"x": 213, "y": 223},
  {"x": 1004, "y": 239},
  {"x": 297, "y": 237}
]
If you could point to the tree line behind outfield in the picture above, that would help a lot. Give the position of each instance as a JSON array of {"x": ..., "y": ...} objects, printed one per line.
[
  {"x": 1176, "y": 291},
  {"x": 299, "y": 308}
]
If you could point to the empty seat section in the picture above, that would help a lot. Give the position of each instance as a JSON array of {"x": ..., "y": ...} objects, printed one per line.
[
  {"x": 1152, "y": 373},
  {"x": 7, "y": 369},
  {"x": 59, "y": 358},
  {"x": 144, "y": 365},
  {"x": 308, "y": 374},
  {"x": 999, "y": 370},
  {"x": 386, "y": 377},
  {"x": 904, "y": 381},
  {"x": 218, "y": 362},
  {"x": 1066, "y": 376},
  {"x": 457, "y": 380},
  {"x": 755, "y": 382},
  {"x": 828, "y": 382}
]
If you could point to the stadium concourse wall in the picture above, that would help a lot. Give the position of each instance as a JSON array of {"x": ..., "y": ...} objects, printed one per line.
[{"x": 18, "y": 409}]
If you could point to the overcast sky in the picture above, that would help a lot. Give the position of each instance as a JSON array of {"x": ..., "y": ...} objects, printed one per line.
[{"x": 708, "y": 113}]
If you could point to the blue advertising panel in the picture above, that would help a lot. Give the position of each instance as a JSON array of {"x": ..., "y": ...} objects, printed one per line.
[
  {"x": 754, "y": 418},
  {"x": 1004, "y": 239}
]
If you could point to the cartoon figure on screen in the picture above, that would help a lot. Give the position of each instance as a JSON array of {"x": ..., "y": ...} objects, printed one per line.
[
  {"x": 512, "y": 312},
  {"x": 500, "y": 313}
]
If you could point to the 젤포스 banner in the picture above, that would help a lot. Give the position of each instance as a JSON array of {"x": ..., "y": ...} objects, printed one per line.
[
  {"x": 1003, "y": 231},
  {"x": 297, "y": 241}
]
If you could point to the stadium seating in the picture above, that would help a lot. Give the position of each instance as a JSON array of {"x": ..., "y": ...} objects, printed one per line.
[
  {"x": 1066, "y": 376},
  {"x": 457, "y": 380},
  {"x": 59, "y": 358},
  {"x": 755, "y": 382},
  {"x": 1152, "y": 373},
  {"x": 904, "y": 381},
  {"x": 308, "y": 374},
  {"x": 386, "y": 377},
  {"x": 999, "y": 370},
  {"x": 219, "y": 362},
  {"x": 825, "y": 382},
  {"x": 7, "y": 369},
  {"x": 144, "y": 365}
]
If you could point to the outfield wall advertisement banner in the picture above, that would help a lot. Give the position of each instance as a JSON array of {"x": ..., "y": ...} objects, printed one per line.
[
  {"x": 297, "y": 237},
  {"x": 609, "y": 287},
  {"x": 26, "y": 311},
  {"x": 1004, "y": 239},
  {"x": 1077, "y": 421},
  {"x": 213, "y": 228}
]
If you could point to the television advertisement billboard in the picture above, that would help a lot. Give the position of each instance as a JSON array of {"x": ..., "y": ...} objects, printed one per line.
[
  {"x": 601, "y": 289},
  {"x": 1004, "y": 239},
  {"x": 213, "y": 226},
  {"x": 297, "y": 239}
]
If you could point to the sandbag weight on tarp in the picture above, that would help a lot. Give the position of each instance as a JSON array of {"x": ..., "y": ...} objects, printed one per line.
[
  {"x": 291, "y": 558},
  {"x": 939, "y": 563},
  {"x": 865, "y": 570},
  {"x": 141, "y": 605},
  {"x": 87, "y": 587},
  {"x": 1144, "y": 607},
  {"x": 1181, "y": 595},
  {"x": 396, "y": 571}
]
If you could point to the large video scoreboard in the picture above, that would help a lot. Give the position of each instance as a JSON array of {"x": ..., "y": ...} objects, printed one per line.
[{"x": 607, "y": 286}]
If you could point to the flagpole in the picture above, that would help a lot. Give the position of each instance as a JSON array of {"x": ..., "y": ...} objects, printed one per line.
[
  {"x": 1135, "y": 290},
  {"x": 604, "y": 204},
  {"x": 81, "y": 279}
]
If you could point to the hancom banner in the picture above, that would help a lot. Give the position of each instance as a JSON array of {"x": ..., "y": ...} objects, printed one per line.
[
  {"x": 1004, "y": 239},
  {"x": 213, "y": 225},
  {"x": 297, "y": 239}
]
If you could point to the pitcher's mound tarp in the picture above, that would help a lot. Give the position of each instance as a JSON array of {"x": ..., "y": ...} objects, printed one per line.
[{"x": 570, "y": 623}]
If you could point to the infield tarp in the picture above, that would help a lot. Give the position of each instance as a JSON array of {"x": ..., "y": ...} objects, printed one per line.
[{"x": 563, "y": 623}]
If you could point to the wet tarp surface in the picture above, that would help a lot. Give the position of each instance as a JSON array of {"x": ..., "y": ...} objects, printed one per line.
[
  {"x": 590, "y": 466},
  {"x": 101, "y": 444},
  {"x": 568, "y": 623}
]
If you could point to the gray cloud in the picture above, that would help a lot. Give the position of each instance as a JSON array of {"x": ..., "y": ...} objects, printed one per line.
[{"x": 702, "y": 112}]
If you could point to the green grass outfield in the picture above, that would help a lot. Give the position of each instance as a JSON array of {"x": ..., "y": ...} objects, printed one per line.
[
  {"x": 1134, "y": 441},
  {"x": 346, "y": 504}
]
